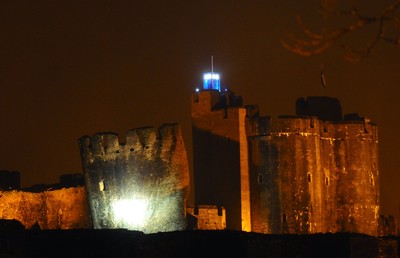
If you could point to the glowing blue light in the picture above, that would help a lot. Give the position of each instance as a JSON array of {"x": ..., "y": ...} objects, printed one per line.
[{"x": 211, "y": 81}]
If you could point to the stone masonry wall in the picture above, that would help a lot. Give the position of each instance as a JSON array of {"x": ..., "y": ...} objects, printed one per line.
[
  {"x": 149, "y": 170},
  {"x": 209, "y": 217},
  {"x": 285, "y": 178},
  {"x": 65, "y": 208},
  {"x": 358, "y": 177},
  {"x": 309, "y": 176}
]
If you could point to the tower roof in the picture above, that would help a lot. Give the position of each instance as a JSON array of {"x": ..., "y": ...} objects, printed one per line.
[{"x": 323, "y": 107}]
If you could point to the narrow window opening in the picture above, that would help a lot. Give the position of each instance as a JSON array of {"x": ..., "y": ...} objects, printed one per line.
[
  {"x": 284, "y": 218},
  {"x": 196, "y": 97},
  {"x": 260, "y": 178},
  {"x": 309, "y": 177},
  {"x": 219, "y": 211},
  {"x": 326, "y": 180}
]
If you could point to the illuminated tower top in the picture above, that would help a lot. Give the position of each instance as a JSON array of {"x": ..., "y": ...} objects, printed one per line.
[{"x": 211, "y": 81}]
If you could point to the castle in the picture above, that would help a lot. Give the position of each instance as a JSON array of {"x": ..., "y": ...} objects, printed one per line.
[
  {"x": 313, "y": 172},
  {"x": 309, "y": 173}
]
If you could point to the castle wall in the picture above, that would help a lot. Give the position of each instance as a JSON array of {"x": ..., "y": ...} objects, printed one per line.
[
  {"x": 387, "y": 226},
  {"x": 209, "y": 217},
  {"x": 141, "y": 184},
  {"x": 265, "y": 187},
  {"x": 299, "y": 165},
  {"x": 358, "y": 177},
  {"x": 220, "y": 156},
  {"x": 65, "y": 208},
  {"x": 285, "y": 178},
  {"x": 329, "y": 173},
  {"x": 309, "y": 176}
]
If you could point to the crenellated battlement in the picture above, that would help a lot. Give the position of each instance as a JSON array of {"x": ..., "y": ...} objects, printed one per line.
[
  {"x": 353, "y": 130},
  {"x": 297, "y": 124},
  {"x": 212, "y": 101},
  {"x": 360, "y": 128},
  {"x": 145, "y": 140},
  {"x": 283, "y": 125}
]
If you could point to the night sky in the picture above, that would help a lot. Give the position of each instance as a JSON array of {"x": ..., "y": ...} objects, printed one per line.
[{"x": 74, "y": 68}]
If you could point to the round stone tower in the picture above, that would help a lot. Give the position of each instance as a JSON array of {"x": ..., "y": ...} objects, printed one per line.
[{"x": 141, "y": 184}]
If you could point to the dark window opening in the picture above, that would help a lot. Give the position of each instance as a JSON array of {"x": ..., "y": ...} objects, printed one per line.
[
  {"x": 196, "y": 98},
  {"x": 260, "y": 178},
  {"x": 284, "y": 218},
  {"x": 219, "y": 211},
  {"x": 326, "y": 180},
  {"x": 309, "y": 177}
]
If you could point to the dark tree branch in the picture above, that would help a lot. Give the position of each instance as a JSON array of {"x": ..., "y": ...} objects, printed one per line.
[{"x": 316, "y": 43}]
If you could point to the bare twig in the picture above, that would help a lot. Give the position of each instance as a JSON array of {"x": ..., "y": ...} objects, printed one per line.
[{"x": 316, "y": 43}]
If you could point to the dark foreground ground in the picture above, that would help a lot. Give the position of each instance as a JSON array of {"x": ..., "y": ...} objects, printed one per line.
[{"x": 18, "y": 242}]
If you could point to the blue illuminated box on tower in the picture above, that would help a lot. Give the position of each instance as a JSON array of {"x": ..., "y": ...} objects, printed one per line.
[{"x": 211, "y": 81}]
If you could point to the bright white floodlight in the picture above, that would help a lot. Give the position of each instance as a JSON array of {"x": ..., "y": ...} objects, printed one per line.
[{"x": 131, "y": 212}]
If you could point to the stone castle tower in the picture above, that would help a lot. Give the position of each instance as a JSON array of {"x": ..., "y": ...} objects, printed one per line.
[
  {"x": 220, "y": 160},
  {"x": 313, "y": 172},
  {"x": 140, "y": 184}
]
